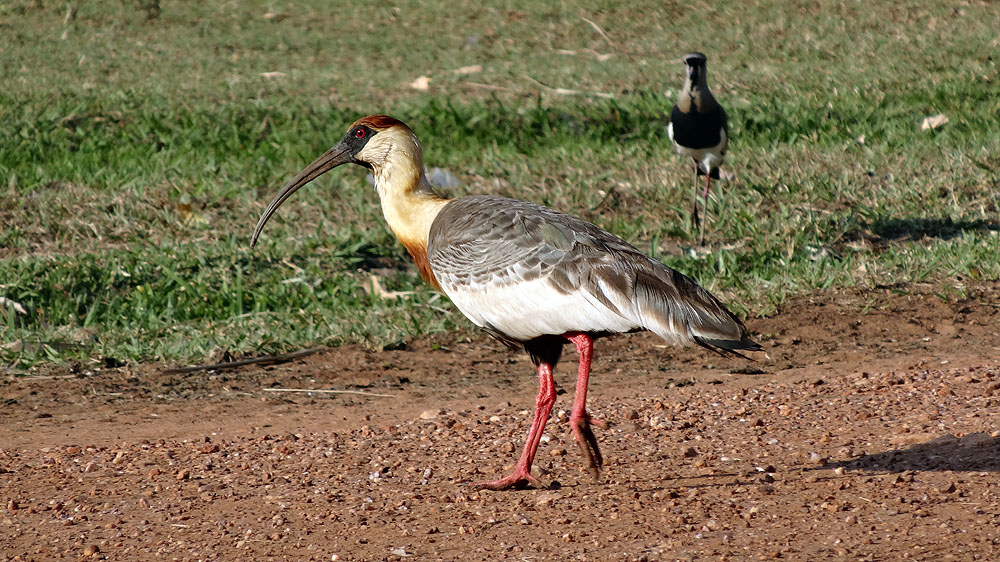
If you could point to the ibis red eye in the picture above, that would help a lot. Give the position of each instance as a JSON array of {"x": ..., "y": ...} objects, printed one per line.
[{"x": 359, "y": 134}]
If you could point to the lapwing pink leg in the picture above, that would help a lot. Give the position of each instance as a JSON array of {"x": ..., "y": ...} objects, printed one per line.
[
  {"x": 701, "y": 231},
  {"x": 695, "y": 221}
]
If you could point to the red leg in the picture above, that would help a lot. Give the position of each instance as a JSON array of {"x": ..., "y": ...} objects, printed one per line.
[
  {"x": 579, "y": 420},
  {"x": 543, "y": 406}
]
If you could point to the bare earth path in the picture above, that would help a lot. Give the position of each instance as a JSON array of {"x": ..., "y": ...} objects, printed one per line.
[{"x": 870, "y": 433}]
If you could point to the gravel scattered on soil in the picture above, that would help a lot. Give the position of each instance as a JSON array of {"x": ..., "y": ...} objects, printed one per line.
[{"x": 871, "y": 432}]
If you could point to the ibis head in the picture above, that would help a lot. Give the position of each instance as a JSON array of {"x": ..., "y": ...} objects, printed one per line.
[{"x": 369, "y": 142}]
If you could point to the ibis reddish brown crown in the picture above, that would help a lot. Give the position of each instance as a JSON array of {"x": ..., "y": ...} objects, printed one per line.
[
  {"x": 528, "y": 275},
  {"x": 378, "y": 122}
]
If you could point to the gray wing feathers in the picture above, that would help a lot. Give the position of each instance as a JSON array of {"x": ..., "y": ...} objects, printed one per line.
[
  {"x": 486, "y": 241},
  {"x": 676, "y": 308}
]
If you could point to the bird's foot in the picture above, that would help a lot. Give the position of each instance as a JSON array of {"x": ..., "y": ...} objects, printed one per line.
[{"x": 519, "y": 476}]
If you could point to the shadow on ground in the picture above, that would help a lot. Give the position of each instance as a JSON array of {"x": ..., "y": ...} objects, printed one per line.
[
  {"x": 975, "y": 452},
  {"x": 902, "y": 229}
]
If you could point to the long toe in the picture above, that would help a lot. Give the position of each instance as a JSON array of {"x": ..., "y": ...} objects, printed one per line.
[
  {"x": 510, "y": 481},
  {"x": 598, "y": 422}
]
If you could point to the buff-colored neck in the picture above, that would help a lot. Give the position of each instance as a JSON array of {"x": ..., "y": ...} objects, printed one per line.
[{"x": 409, "y": 203}]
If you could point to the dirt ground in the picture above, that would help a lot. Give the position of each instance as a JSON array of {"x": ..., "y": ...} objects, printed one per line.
[{"x": 868, "y": 432}]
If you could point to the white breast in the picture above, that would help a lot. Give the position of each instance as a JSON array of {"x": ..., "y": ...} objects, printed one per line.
[{"x": 529, "y": 309}]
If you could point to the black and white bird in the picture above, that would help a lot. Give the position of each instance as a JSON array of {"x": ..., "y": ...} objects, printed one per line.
[
  {"x": 699, "y": 127},
  {"x": 530, "y": 276}
]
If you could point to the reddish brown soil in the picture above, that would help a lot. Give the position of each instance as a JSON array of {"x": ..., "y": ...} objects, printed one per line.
[{"x": 869, "y": 433}]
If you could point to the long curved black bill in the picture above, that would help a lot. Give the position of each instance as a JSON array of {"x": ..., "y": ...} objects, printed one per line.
[{"x": 339, "y": 154}]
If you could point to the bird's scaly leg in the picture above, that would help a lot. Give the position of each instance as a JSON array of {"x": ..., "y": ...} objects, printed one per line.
[
  {"x": 701, "y": 230},
  {"x": 543, "y": 406},
  {"x": 695, "y": 221},
  {"x": 579, "y": 420}
]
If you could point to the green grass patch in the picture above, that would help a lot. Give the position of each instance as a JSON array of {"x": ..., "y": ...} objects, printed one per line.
[{"x": 139, "y": 147}]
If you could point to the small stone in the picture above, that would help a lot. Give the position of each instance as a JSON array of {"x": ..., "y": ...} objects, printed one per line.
[
  {"x": 184, "y": 474},
  {"x": 91, "y": 550},
  {"x": 429, "y": 414},
  {"x": 546, "y": 499},
  {"x": 949, "y": 489},
  {"x": 691, "y": 452},
  {"x": 73, "y": 450},
  {"x": 632, "y": 415},
  {"x": 440, "y": 177}
]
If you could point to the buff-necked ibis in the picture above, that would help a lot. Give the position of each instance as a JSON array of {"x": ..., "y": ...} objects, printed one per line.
[{"x": 530, "y": 276}]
